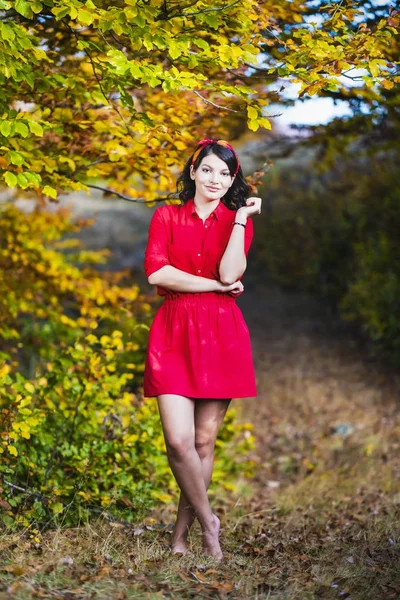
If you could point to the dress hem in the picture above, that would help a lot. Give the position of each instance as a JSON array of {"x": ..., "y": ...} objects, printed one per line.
[{"x": 208, "y": 397}]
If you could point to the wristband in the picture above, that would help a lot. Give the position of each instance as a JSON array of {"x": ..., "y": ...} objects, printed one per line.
[{"x": 237, "y": 223}]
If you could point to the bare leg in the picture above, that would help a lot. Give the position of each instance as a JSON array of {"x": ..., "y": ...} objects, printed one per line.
[
  {"x": 209, "y": 415},
  {"x": 182, "y": 439}
]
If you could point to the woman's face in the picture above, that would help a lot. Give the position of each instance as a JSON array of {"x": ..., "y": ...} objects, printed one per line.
[{"x": 212, "y": 177}]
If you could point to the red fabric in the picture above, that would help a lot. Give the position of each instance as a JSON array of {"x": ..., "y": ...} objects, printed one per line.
[{"x": 199, "y": 344}]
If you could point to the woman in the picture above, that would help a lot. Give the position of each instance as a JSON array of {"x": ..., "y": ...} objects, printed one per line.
[{"x": 199, "y": 353}]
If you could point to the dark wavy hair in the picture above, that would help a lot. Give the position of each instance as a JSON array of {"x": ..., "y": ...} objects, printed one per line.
[{"x": 237, "y": 194}]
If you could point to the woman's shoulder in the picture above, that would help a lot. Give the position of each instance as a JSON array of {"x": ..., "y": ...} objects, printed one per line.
[{"x": 167, "y": 210}]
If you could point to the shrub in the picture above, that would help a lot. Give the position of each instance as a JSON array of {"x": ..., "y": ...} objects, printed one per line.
[
  {"x": 336, "y": 237},
  {"x": 77, "y": 440}
]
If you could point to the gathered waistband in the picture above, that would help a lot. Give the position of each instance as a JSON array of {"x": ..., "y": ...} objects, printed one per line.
[{"x": 200, "y": 297}]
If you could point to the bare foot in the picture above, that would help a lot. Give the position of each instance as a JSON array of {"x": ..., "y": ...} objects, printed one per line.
[
  {"x": 179, "y": 544},
  {"x": 211, "y": 545}
]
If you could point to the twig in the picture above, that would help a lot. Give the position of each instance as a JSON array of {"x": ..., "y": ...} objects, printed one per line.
[
  {"x": 90, "y": 509},
  {"x": 21, "y": 489},
  {"x": 144, "y": 200},
  {"x": 256, "y": 512},
  {"x": 200, "y": 12},
  {"x": 109, "y": 102},
  {"x": 95, "y": 162},
  {"x": 213, "y": 103}
]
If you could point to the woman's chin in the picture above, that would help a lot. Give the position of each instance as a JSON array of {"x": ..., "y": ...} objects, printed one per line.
[{"x": 208, "y": 195}]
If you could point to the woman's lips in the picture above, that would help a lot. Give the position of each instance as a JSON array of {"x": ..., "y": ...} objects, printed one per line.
[{"x": 212, "y": 188}]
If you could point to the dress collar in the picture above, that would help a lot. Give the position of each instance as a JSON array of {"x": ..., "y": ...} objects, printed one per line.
[{"x": 217, "y": 212}]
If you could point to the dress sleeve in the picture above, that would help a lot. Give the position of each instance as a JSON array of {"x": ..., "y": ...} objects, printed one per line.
[
  {"x": 156, "y": 253},
  {"x": 248, "y": 235}
]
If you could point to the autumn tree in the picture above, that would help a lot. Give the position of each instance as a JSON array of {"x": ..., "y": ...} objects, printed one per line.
[{"x": 117, "y": 92}]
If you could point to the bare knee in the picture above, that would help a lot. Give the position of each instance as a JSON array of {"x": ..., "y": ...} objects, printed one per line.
[
  {"x": 205, "y": 445},
  {"x": 178, "y": 446}
]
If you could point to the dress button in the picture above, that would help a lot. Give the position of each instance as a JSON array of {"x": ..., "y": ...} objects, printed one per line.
[
  {"x": 199, "y": 254},
  {"x": 199, "y": 270},
  {"x": 206, "y": 226}
]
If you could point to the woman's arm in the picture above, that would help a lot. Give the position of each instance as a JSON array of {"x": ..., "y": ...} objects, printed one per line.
[
  {"x": 174, "y": 279},
  {"x": 233, "y": 262}
]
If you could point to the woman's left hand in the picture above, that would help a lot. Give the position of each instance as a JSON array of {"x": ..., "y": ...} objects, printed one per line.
[{"x": 253, "y": 207}]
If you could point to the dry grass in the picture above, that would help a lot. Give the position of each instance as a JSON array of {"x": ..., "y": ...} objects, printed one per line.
[{"x": 319, "y": 520}]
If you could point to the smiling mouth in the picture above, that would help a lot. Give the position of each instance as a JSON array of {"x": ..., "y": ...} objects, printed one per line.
[{"x": 213, "y": 189}]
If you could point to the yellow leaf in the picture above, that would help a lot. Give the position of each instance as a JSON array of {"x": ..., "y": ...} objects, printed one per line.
[
  {"x": 253, "y": 125},
  {"x": 12, "y": 450},
  {"x": 252, "y": 113},
  {"x": 387, "y": 84},
  {"x": 92, "y": 339},
  {"x": 29, "y": 387},
  {"x": 374, "y": 66},
  {"x": 266, "y": 123}
]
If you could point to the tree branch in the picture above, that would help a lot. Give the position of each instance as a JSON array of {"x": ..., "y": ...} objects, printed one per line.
[
  {"x": 128, "y": 198},
  {"x": 200, "y": 12},
  {"x": 213, "y": 103}
]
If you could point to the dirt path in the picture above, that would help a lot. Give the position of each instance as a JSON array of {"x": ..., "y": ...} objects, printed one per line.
[{"x": 307, "y": 361}]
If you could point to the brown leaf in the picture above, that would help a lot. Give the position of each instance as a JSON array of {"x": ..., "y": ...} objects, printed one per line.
[
  {"x": 126, "y": 501},
  {"x": 223, "y": 586},
  {"x": 19, "y": 570},
  {"x": 199, "y": 577}
]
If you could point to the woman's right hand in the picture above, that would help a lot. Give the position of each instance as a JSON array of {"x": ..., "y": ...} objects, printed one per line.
[{"x": 233, "y": 289}]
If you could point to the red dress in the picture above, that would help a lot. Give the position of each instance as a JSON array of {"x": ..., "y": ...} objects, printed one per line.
[{"x": 199, "y": 344}]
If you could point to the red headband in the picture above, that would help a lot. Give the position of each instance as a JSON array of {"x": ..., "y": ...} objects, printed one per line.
[{"x": 207, "y": 141}]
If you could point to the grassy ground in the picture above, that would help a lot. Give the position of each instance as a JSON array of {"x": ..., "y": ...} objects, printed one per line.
[{"x": 320, "y": 518}]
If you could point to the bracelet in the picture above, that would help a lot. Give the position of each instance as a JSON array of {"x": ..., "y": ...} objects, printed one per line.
[{"x": 237, "y": 223}]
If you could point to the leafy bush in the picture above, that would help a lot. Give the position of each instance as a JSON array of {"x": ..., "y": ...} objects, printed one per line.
[
  {"x": 336, "y": 236},
  {"x": 50, "y": 294},
  {"x": 76, "y": 439}
]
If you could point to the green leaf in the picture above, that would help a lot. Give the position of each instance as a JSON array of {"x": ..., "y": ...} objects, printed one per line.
[
  {"x": 49, "y": 191},
  {"x": 23, "y": 8},
  {"x": 174, "y": 50},
  {"x": 60, "y": 11},
  {"x": 33, "y": 178},
  {"x": 10, "y": 179},
  {"x": 16, "y": 158},
  {"x": 85, "y": 17},
  {"x": 36, "y": 6},
  {"x": 5, "y": 128},
  {"x": 21, "y": 128},
  {"x": 211, "y": 20},
  {"x": 201, "y": 43},
  {"x": 56, "y": 507},
  {"x": 7, "y": 32},
  {"x": 35, "y": 128},
  {"x": 22, "y": 180}
]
